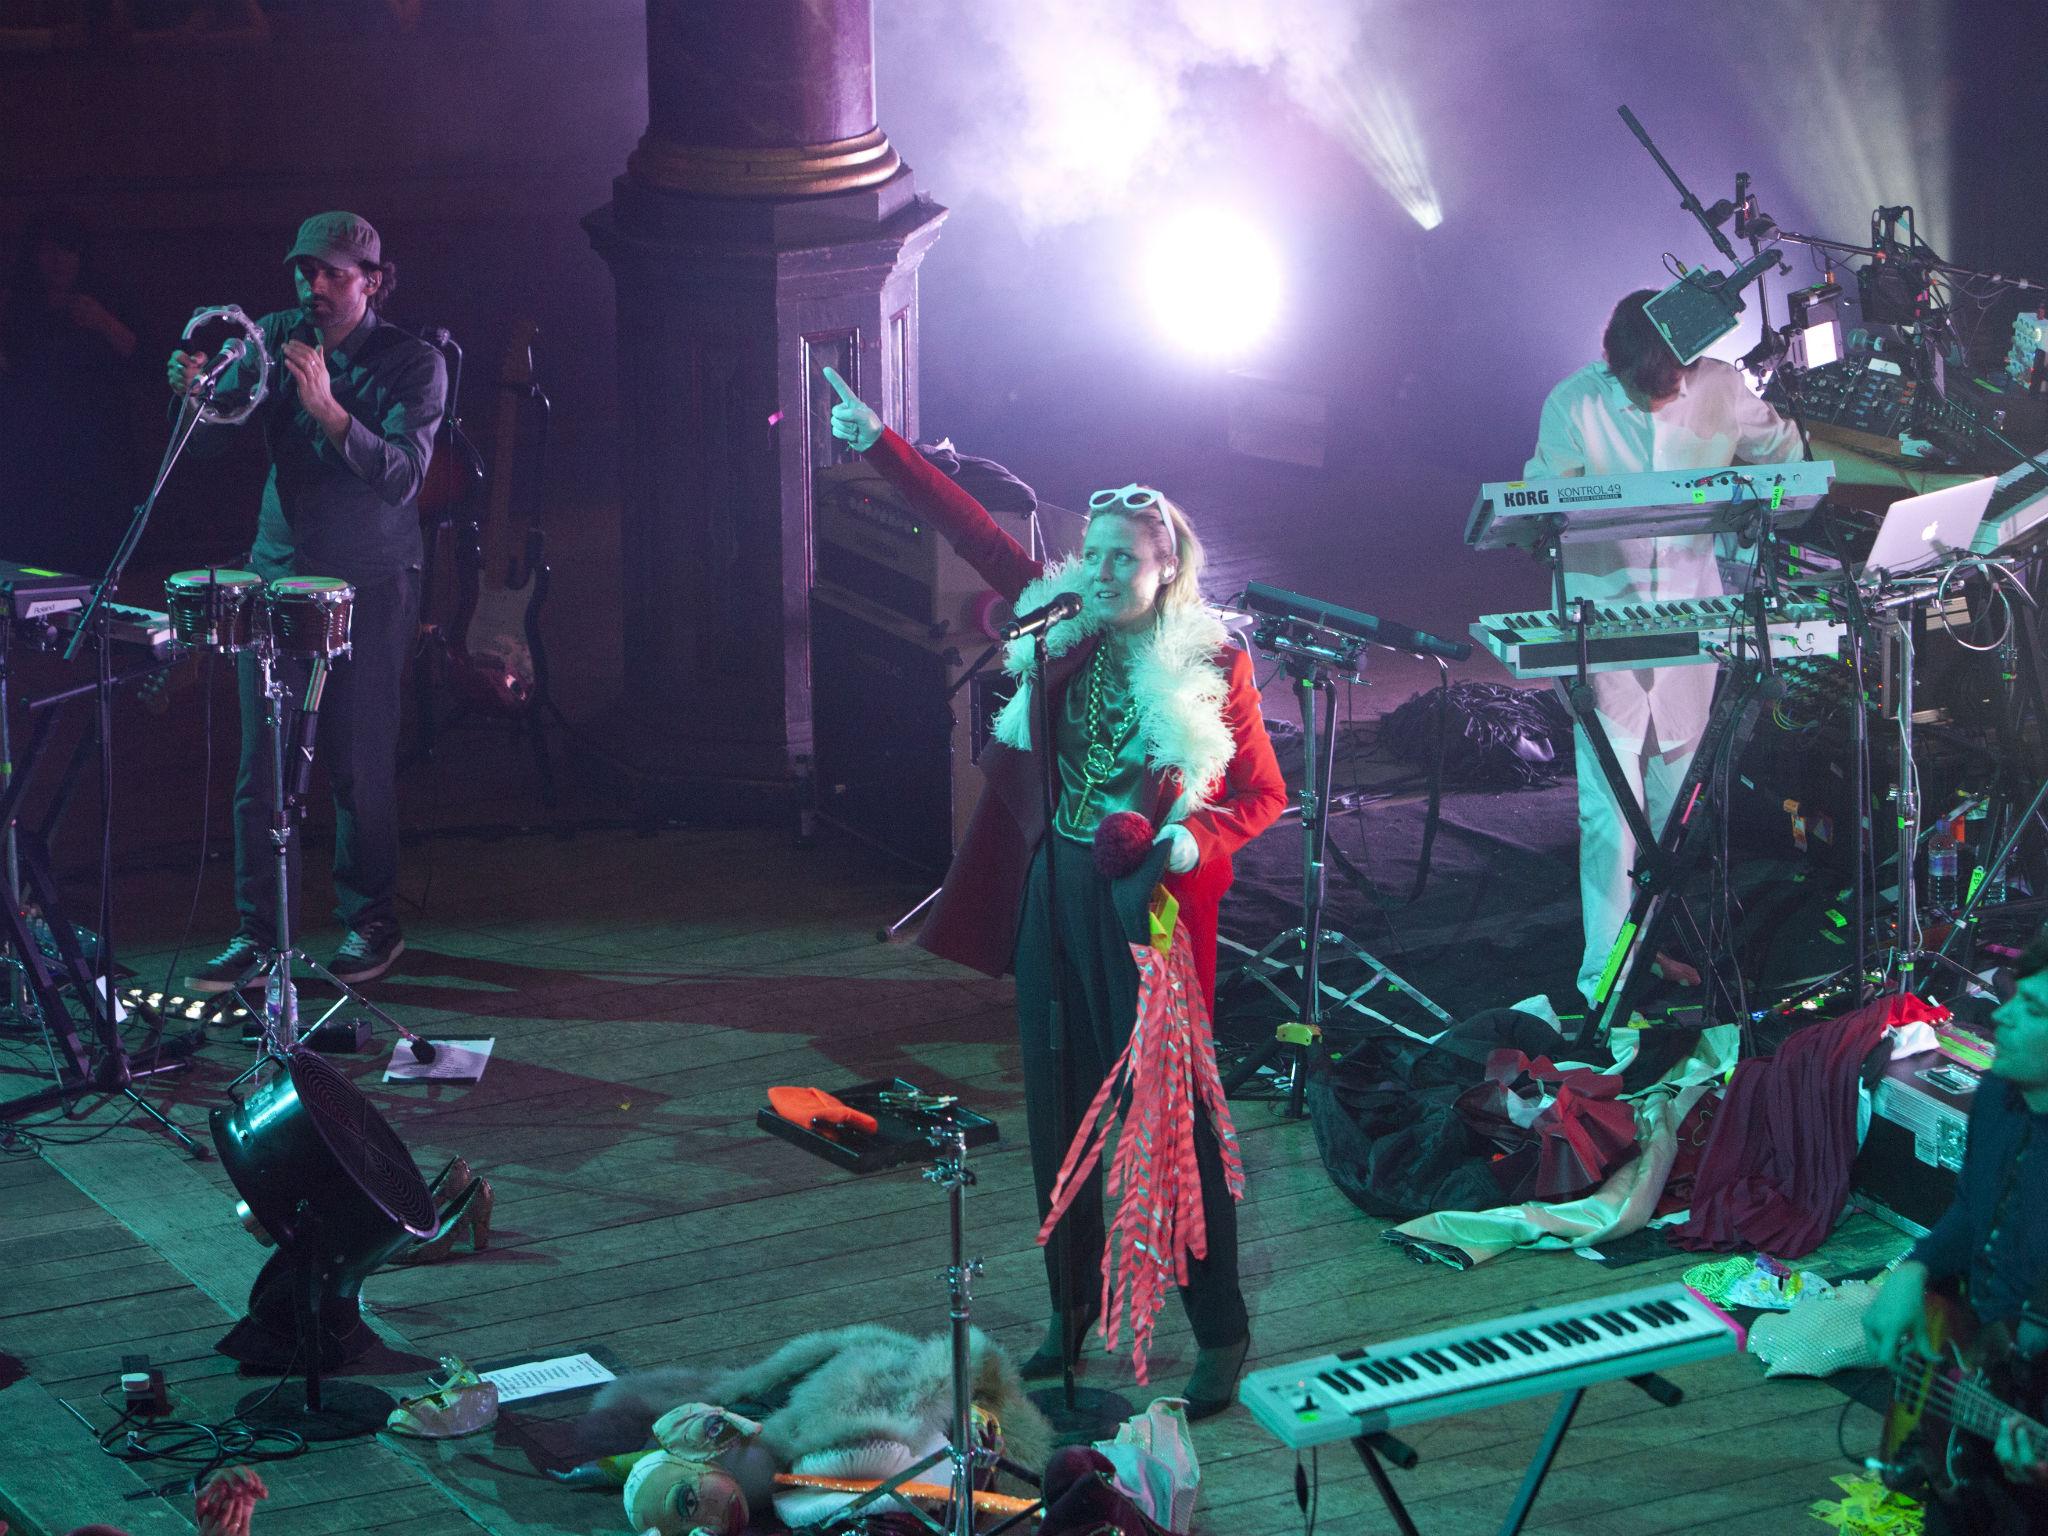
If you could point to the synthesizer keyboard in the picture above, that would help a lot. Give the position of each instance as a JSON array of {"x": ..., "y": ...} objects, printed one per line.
[
  {"x": 2018, "y": 508},
  {"x": 131, "y": 628},
  {"x": 1676, "y": 632},
  {"x": 1482, "y": 1365},
  {"x": 1511, "y": 514}
]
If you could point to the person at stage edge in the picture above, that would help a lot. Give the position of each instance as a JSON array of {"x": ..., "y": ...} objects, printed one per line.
[
  {"x": 1157, "y": 713},
  {"x": 1638, "y": 410},
  {"x": 349, "y": 427},
  {"x": 1994, "y": 1235}
]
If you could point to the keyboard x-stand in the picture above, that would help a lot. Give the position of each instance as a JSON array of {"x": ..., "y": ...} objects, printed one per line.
[
  {"x": 1755, "y": 501},
  {"x": 77, "y": 1069}
]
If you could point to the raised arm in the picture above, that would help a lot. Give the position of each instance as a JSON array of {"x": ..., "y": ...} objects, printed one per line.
[{"x": 979, "y": 539}]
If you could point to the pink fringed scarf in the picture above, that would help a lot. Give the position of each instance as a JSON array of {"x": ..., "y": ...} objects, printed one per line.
[{"x": 1164, "y": 1078}]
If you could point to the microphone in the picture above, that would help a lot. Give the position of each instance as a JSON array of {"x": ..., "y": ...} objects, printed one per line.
[
  {"x": 303, "y": 331},
  {"x": 1065, "y": 606},
  {"x": 230, "y": 354}
]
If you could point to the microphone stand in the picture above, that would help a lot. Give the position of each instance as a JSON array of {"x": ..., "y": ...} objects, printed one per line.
[{"x": 1072, "y": 1409}]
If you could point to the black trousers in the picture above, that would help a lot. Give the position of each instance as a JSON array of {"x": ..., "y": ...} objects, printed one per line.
[
  {"x": 358, "y": 741},
  {"x": 1099, "y": 1000}
]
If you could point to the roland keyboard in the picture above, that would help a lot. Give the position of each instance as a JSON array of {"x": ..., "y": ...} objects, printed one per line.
[
  {"x": 1676, "y": 632},
  {"x": 1512, "y": 514},
  {"x": 1482, "y": 1365}
]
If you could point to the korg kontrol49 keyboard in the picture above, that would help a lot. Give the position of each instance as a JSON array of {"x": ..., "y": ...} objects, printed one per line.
[
  {"x": 1371, "y": 1390},
  {"x": 1575, "y": 508},
  {"x": 1673, "y": 633}
]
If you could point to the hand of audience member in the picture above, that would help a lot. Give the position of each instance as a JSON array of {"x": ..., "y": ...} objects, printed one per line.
[
  {"x": 228, "y": 1500},
  {"x": 854, "y": 421}
]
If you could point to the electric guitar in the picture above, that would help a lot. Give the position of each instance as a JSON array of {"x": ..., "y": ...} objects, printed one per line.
[
  {"x": 495, "y": 653},
  {"x": 1945, "y": 1415}
]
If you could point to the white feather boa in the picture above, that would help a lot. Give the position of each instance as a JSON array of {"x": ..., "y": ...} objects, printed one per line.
[{"x": 1176, "y": 682}]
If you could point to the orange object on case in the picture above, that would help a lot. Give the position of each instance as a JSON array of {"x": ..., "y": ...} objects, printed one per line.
[{"x": 812, "y": 1106}]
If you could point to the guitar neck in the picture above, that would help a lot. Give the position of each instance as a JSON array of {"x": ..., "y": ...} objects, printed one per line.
[
  {"x": 1969, "y": 1406},
  {"x": 501, "y": 546}
]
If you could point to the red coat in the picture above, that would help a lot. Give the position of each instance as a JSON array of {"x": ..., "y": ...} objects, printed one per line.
[{"x": 974, "y": 921}]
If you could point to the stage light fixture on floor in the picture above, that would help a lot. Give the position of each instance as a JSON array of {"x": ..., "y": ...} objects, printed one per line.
[
  {"x": 330, "y": 1184},
  {"x": 1213, "y": 280}
]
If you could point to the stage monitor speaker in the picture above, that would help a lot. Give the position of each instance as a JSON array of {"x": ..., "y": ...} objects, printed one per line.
[
  {"x": 868, "y": 543},
  {"x": 894, "y": 755}
]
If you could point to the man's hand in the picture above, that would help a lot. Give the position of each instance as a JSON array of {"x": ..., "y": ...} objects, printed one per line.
[
  {"x": 1183, "y": 852},
  {"x": 1899, "y": 1315},
  {"x": 185, "y": 369},
  {"x": 854, "y": 421},
  {"x": 2023, "y": 1452},
  {"x": 308, "y": 365}
]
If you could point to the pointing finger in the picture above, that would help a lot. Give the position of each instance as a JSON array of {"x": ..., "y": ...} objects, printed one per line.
[{"x": 839, "y": 384}]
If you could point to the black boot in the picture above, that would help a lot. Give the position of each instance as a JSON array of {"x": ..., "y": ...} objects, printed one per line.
[
  {"x": 1212, "y": 1384},
  {"x": 1046, "y": 1363}
]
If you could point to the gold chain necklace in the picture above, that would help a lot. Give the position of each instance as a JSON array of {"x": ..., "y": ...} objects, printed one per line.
[{"x": 1099, "y": 757}]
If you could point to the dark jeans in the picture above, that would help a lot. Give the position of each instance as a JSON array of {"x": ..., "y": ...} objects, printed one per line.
[
  {"x": 358, "y": 741},
  {"x": 1099, "y": 1004}
]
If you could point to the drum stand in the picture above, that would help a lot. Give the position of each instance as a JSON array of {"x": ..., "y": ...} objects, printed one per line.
[{"x": 278, "y": 1011}]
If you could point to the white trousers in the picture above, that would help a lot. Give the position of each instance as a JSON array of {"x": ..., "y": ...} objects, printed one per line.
[{"x": 1607, "y": 849}]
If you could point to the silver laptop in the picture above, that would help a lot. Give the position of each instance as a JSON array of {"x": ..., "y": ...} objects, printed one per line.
[{"x": 1922, "y": 531}]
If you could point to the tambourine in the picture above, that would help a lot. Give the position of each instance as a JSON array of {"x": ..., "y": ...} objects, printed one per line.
[{"x": 257, "y": 357}]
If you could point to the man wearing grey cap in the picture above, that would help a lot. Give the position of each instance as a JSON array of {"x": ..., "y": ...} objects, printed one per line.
[{"x": 349, "y": 426}]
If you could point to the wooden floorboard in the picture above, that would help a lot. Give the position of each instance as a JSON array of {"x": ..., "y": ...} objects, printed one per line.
[{"x": 645, "y": 992}]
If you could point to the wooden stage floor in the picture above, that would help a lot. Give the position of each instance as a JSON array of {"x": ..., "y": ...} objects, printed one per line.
[{"x": 644, "y": 992}]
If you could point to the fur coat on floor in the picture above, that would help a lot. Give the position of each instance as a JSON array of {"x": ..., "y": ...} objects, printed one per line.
[{"x": 835, "y": 1390}]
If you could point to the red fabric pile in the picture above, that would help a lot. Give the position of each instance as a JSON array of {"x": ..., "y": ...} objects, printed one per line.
[
  {"x": 1561, "y": 1151},
  {"x": 1775, "y": 1173}
]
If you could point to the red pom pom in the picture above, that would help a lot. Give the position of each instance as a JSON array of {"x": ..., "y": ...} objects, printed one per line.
[{"x": 1122, "y": 842}]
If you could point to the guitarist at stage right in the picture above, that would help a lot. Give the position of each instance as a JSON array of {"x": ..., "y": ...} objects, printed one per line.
[{"x": 1994, "y": 1237}]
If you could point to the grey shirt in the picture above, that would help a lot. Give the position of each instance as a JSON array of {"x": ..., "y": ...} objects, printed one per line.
[{"x": 346, "y": 510}]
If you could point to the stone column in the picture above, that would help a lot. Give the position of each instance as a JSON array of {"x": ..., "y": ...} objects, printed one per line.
[{"x": 763, "y": 228}]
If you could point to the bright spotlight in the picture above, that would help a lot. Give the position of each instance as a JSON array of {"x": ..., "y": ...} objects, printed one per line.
[
  {"x": 1371, "y": 116},
  {"x": 1212, "y": 279}
]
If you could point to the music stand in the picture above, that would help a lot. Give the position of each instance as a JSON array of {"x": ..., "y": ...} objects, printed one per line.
[{"x": 1319, "y": 643}]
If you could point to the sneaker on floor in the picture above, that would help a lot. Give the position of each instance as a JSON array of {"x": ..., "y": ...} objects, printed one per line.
[
  {"x": 366, "y": 954},
  {"x": 240, "y": 963}
]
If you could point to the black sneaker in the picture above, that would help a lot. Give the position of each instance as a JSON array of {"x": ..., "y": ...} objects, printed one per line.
[
  {"x": 237, "y": 965},
  {"x": 366, "y": 954}
]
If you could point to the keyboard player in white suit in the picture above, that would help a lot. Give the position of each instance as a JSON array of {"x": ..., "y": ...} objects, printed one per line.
[{"x": 1640, "y": 409}]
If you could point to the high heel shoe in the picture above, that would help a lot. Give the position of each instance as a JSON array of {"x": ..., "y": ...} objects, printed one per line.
[
  {"x": 451, "y": 1181},
  {"x": 472, "y": 1210},
  {"x": 1213, "y": 1381}
]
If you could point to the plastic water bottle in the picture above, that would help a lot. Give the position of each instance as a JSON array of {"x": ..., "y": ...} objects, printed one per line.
[{"x": 1941, "y": 866}]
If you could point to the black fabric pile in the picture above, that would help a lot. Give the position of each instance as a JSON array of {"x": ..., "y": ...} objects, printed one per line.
[
  {"x": 1386, "y": 1118},
  {"x": 1498, "y": 737}
]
